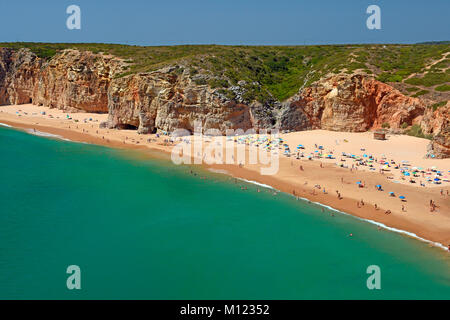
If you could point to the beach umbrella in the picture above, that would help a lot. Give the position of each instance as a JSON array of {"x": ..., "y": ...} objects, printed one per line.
[
  {"x": 437, "y": 179},
  {"x": 378, "y": 185},
  {"x": 359, "y": 182},
  {"x": 407, "y": 174},
  {"x": 402, "y": 197}
]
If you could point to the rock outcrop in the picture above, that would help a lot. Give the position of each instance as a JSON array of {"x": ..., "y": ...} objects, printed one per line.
[
  {"x": 353, "y": 103},
  {"x": 166, "y": 101},
  {"x": 19, "y": 73},
  {"x": 71, "y": 80},
  {"x": 440, "y": 146},
  {"x": 438, "y": 123}
]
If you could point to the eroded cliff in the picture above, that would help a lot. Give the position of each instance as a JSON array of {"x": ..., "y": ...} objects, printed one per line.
[{"x": 171, "y": 98}]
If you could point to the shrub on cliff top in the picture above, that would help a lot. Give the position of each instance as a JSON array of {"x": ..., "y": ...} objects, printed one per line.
[
  {"x": 442, "y": 88},
  {"x": 279, "y": 70},
  {"x": 438, "y": 105}
]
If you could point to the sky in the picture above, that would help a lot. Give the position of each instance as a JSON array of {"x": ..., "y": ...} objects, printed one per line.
[{"x": 230, "y": 22}]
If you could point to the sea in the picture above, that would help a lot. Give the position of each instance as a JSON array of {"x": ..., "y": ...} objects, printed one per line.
[{"x": 81, "y": 221}]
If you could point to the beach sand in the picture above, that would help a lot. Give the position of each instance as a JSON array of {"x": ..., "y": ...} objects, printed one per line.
[{"x": 415, "y": 216}]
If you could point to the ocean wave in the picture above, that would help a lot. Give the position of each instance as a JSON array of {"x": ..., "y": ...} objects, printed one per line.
[
  {"x": 257, "y": 183},
  {"x": 45, "y": 134},
  {"x": 5, "y": 125},
  {"x": 382, "y": 225},
  {"x": 218, "y": 171}
]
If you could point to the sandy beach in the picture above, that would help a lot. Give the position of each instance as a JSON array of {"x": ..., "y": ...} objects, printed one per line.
[{"x": 319, "y": 179}]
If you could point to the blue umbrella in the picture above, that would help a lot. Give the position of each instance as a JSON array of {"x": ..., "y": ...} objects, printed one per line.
[
  {"x": 402, "y": 197},
  {"x": 359, "y": 182},
  {"x": 437, "y": 179}
]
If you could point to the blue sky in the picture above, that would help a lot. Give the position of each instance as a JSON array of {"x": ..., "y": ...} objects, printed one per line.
[{"x": 252, "y": 22}]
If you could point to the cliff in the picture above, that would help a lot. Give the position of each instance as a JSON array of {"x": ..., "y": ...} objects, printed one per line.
[
  {"x": 71, "y": 80},
  {"x": 354, "y": 103},
  {"x": 167, "y": 101},
  {"x": 172, "y": 97}
]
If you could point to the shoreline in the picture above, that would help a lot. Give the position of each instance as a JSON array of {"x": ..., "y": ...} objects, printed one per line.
[
  {"x": 382, "y": 225},
  {"x": 436, "y": 233}
]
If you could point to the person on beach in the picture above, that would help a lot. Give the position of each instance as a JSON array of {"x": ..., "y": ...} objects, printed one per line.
[
  {"x": 376, "y": 207},
  {"x": 387, "y": 212}
]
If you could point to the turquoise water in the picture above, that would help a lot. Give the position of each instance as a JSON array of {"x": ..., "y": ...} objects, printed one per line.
[{"x": 142, "y": 228}]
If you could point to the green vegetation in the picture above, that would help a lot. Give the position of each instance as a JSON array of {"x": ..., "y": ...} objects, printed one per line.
[
  {"x": 386, "y": 125},
  {"x": 274, "y": 71},
  {"x": 404, "y": 125},
  {"x": 416, "y": 131},
  {"x": 430, "y": 79},
  {"x": 438, "y": 105},
  {"x": 420, "y": 93},
  {"x": 442, "y": 88},
  {"x": 412, "y": 89}
]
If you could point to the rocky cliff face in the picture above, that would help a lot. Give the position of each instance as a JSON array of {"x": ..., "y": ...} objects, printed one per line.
[
  {"x": 168, "y": 99},
  {"x": 354, "y": 103},
  {"x": 19, "y": 72},
  {"x": 438, "y": 123},
  {"x": 76, "y": 80},
  {"x": 71, "y": 80}
]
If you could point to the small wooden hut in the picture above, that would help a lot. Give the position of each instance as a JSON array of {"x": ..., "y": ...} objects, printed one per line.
[{"x": 379, "y": 135}]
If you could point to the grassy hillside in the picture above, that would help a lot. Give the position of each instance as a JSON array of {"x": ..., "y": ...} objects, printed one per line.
[{"x": 279, "y": 72}]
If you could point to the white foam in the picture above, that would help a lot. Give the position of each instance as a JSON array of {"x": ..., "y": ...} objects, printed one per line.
[
  {"x": 218, "y": 171},
  {"x": 45, "y": 134},
  {"x": 382, "y": 225},
  {"x": 5, "y": 125},
  {"x": 257, "y": 183}
]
